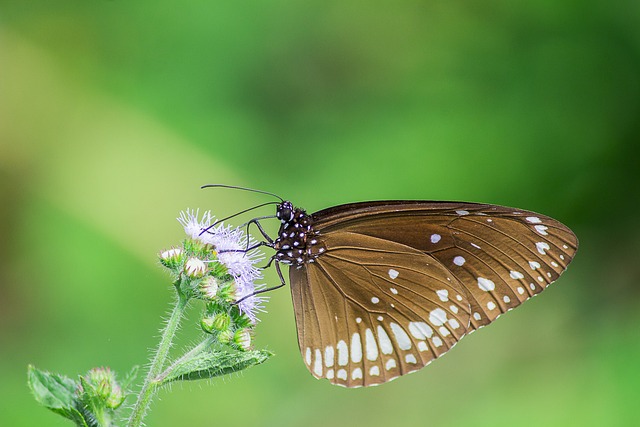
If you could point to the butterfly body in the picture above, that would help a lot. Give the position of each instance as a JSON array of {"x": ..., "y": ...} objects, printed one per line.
[{"x": 381, "y": 289}]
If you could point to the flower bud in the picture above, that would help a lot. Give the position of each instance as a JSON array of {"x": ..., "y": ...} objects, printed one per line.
[
  {"x": 103, "y": 386},
  {"x": 195, "y": 267},
  {"x": 225, "y": 337},
  {"x": 209, "y": 287},
  {"x": 172, "y": 258},
  {"x": 206, "y": 323},
  {"x": 242, "y": 338}
]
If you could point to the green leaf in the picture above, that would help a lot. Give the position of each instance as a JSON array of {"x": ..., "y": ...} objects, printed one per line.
[
  {"x": 215, "y": 363},
  {"x": 55, "y": 392}
]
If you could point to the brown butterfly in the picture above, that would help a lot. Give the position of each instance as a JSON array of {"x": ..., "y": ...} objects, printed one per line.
[{"x": 381, "y": 289}]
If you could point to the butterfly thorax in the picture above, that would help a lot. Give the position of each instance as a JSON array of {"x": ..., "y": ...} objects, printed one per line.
[{"x": 297, "y": 242}]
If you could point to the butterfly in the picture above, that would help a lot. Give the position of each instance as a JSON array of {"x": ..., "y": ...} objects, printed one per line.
[{"x": 381, "y": 289}]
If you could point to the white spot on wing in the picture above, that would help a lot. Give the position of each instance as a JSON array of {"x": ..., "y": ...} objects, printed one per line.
[
  {"x": 328, "y": 356},
  {"x": 542, "y": 247},
  {"x": 437, "y": 317},
  {"x": 410, "y": 358},
  {"x": 330, "y": 374},
  {"x": 435, "y": 238},
  {"x": 542, "y": 229},
  {"x": 443, "y": 294},
  {"x": 533, "y": 219},
  {"x": 403, "y": 340},
  {"x": 384, "y": 341},
  {"x": 374, "y": 371},
  {"x": 477, "y": 316},
  {"x": 393, "y": 273},
  {"x": 534, "y": 265},
  {"x": 422, "y": 346},
  {"x": 356, "y": 374},
  {"x": 444, "y": 331},
  {"x": 342, "y": 374},
  {"x": 394, "y": 291},
  {"x": 343, "y": 353},
  {"x": 356, "y": 348},
  {"x": 453, "y": 309},
  {"x": 370, "y": 345},
  {"x": 391, "y": 363},
  {"x": 420, "y": 330},
  {"x": 437, "y": 342},
  {"x": 506, "y": 299},
  {"x": 461, "y": 212},
  {"x": 358, "y": 320},
  {"x": 317, "y": 364},
  {"x": 375, "y": 300},
  {"x": 520, "y": 290},
  {"x": 459, "y": 260},
  {"x": 491, "y": 305},
  {"x": 516, "y": 275},
  {"x": 486, "y": 284},
  {"x": 307, "y": 356},
  {"x": 454, "y": 323}
]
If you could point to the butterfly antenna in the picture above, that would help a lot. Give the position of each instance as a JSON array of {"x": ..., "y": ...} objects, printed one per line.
[
  {"x": 248, "y": 210},
  {"x": 235, "y": 187}
]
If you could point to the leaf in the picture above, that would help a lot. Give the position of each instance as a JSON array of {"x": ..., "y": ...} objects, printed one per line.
[
  {"x": 129, "y": 378},
  {"x": 214, "y": 363},
  {"x": 56, "y": 392}
]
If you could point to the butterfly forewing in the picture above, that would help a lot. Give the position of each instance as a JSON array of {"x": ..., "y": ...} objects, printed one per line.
[
  {"x": 369, "y": 310},
  {"x": 502, "y": 256}
]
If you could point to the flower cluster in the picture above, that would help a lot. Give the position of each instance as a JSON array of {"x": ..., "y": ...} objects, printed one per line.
[{"x": 215, "y": 266}]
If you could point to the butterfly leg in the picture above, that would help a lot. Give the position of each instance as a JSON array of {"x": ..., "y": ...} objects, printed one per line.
[{"x": 256, "y": 221}]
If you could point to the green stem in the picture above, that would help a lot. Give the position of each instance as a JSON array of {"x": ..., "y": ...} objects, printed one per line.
[{"x": 151, "y": 383}]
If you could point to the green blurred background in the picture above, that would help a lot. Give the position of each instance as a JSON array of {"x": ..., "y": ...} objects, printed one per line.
[{"x": 113, "y": 113}]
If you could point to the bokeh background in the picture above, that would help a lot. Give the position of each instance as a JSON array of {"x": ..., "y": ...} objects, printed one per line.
[{"x": 113, "y": 113}]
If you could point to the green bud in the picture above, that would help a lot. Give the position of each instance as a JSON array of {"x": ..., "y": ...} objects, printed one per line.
[
  {"x": 221, "y": 321},
  {"x": 206, "y": 323},
  {"x": 209, "y": 287},
  {"x": 227, "y": 291},
  {"x": 100, "y": 384},
  {"x": 225, "y": 337},
  {"x": 242, "y": 338}
]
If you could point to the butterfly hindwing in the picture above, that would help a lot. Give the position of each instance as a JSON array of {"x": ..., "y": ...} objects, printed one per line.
[{"x": 369, "y": 310}]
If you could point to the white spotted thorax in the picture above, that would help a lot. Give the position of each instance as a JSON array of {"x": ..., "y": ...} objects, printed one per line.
[
  {"x": 296, "y": 243},
  {"x": 240, "y": 264},
  {"x": 381, "y": 289}
]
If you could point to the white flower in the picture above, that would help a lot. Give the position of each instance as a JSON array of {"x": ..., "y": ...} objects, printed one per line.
[
  {"x": 193, "y": 227},
  {"x": 230, "y": 244}
]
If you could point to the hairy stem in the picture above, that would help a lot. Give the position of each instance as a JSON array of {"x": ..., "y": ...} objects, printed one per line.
[{"x": 151, "y": 383}]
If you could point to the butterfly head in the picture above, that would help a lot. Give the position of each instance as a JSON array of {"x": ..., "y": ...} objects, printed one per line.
[
  {"x": 285, "y": 212},
  {"x": 297, "y": 242}
]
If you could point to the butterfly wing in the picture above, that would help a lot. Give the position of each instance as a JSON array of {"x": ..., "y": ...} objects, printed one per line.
[
  {"x": 369, "y": 310},
  {"x": 502, "y": 256}
]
